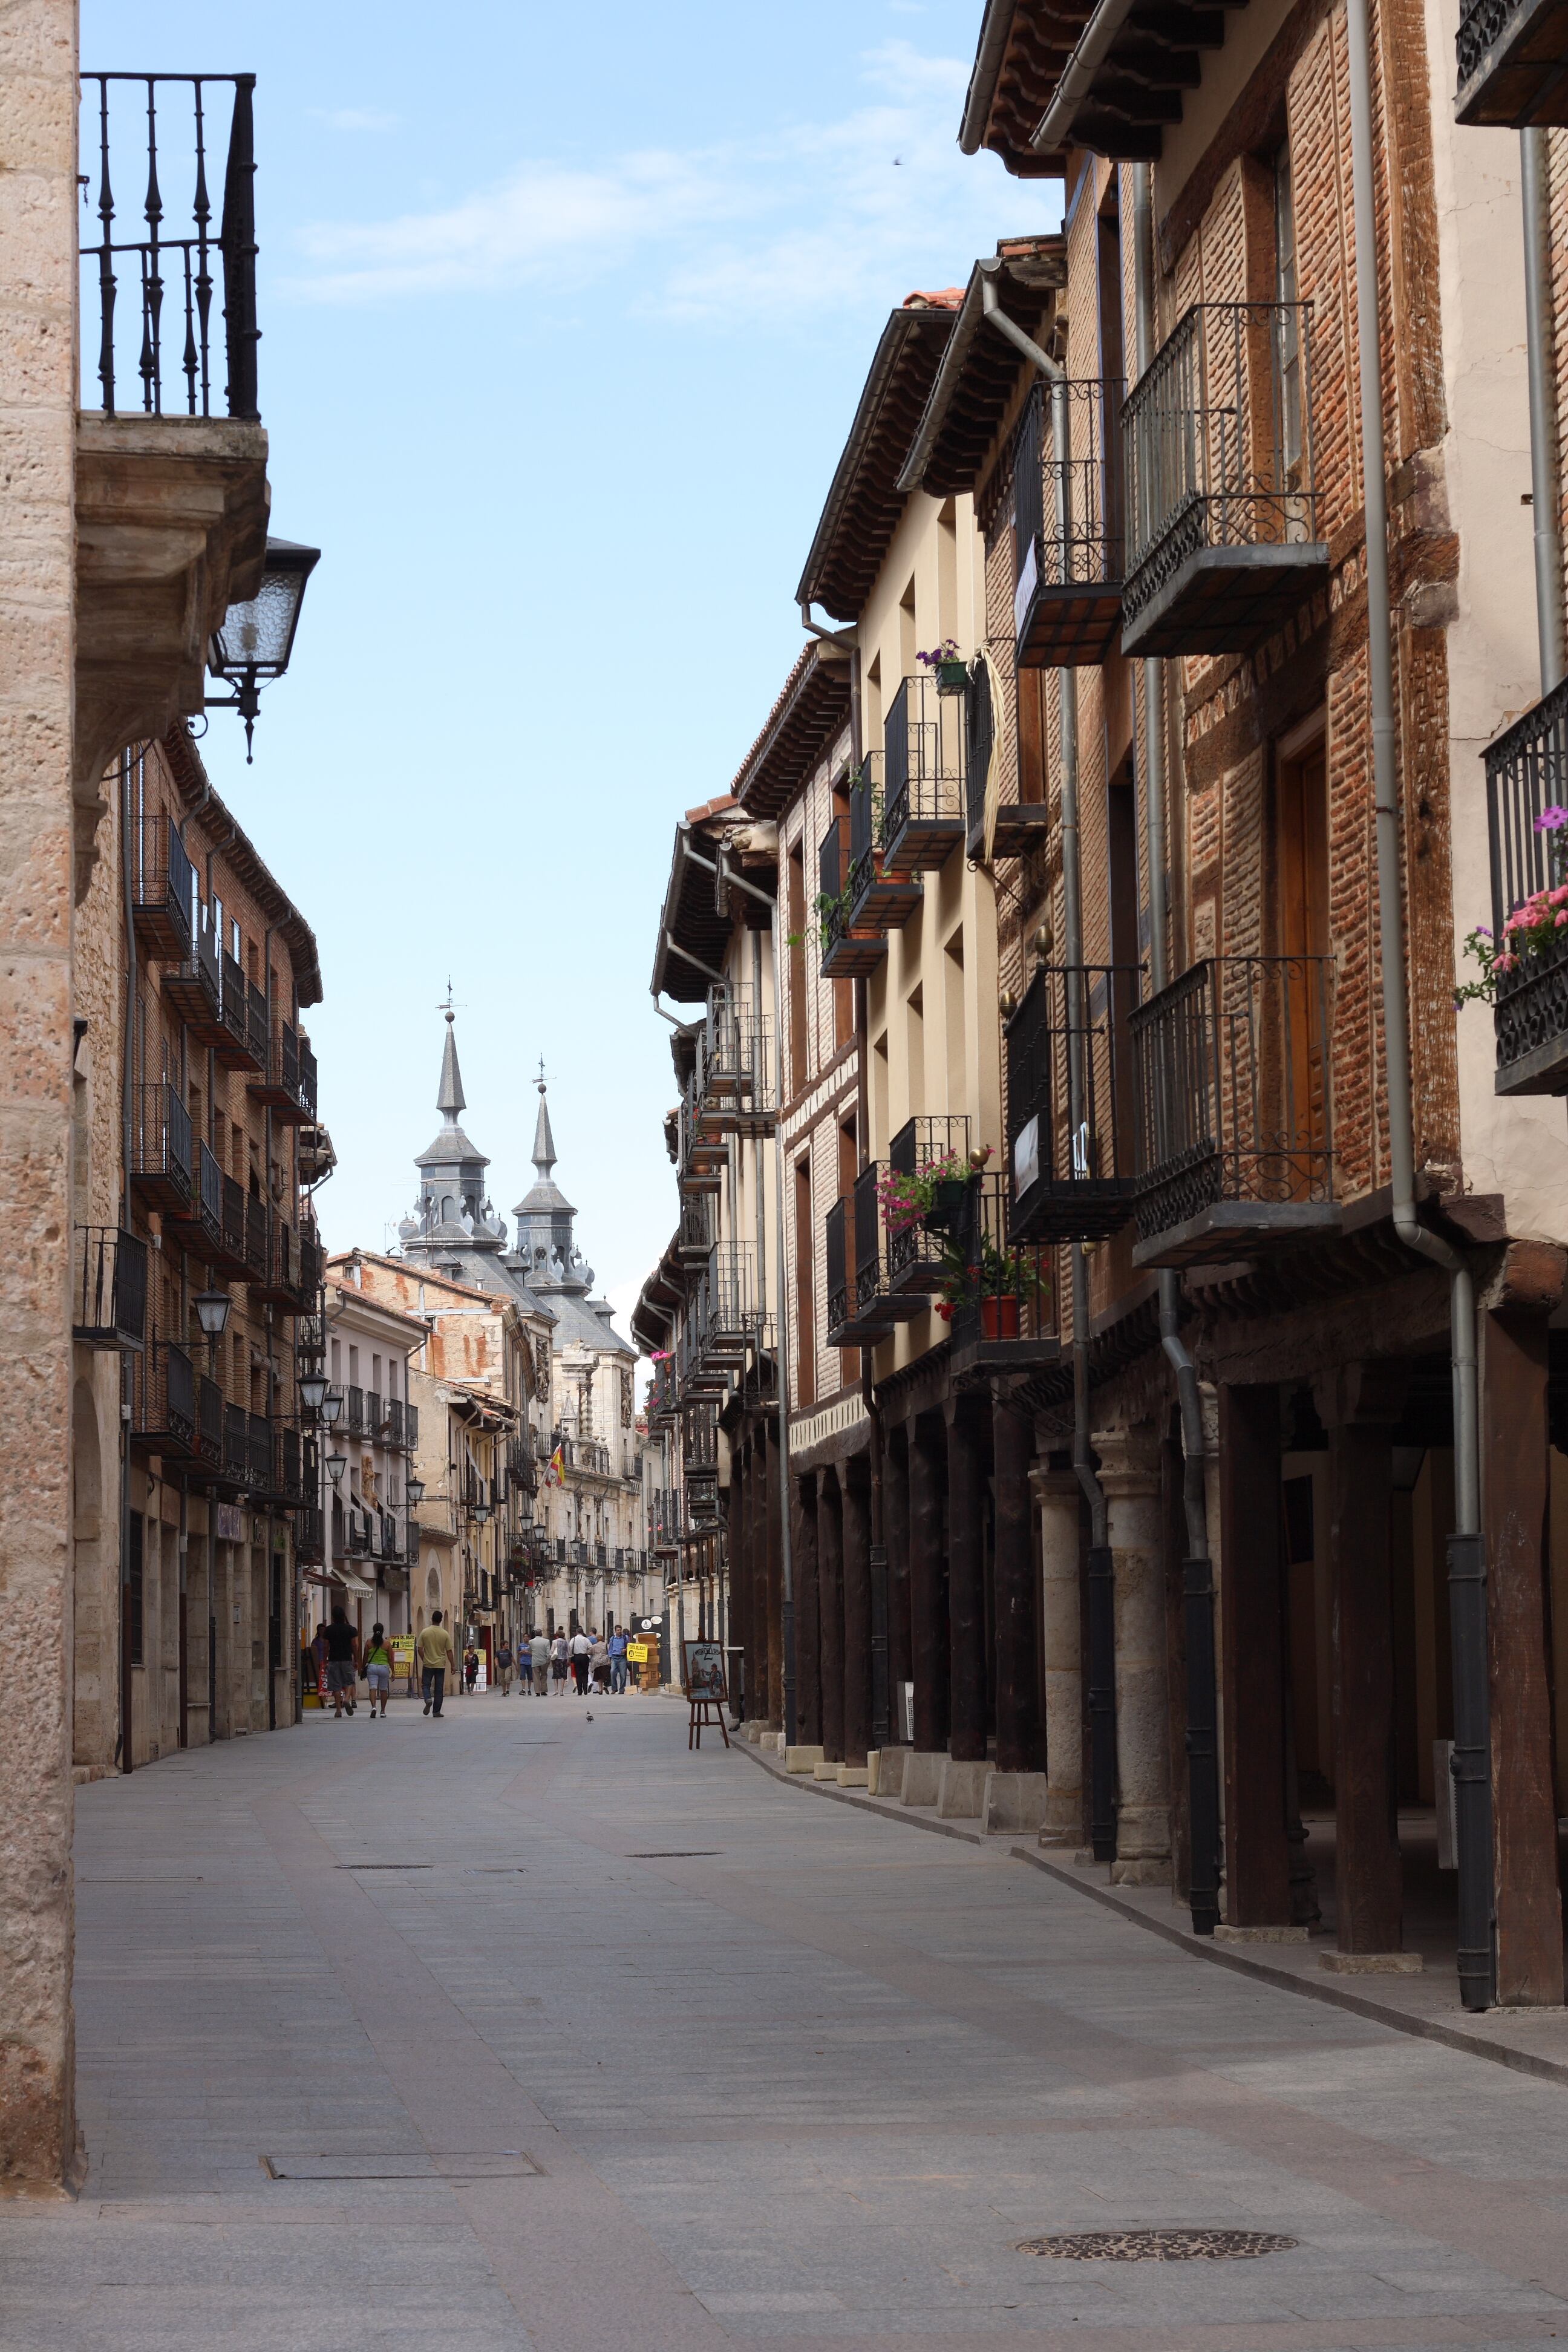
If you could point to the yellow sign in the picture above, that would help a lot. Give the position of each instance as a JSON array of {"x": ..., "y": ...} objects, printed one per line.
[
  {"x": 401, "y": 1648},
  {"x": 637, "y": 1651}
]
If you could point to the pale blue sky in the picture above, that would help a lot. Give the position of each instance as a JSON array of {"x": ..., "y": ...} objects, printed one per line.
[{"x": 564, "y": 315}]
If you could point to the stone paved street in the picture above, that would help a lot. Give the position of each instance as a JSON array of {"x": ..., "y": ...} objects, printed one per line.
[{"x": 785, "y": 2072}]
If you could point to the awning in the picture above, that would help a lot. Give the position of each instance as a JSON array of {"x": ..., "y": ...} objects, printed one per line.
[{"x": 353, "y": 1585}]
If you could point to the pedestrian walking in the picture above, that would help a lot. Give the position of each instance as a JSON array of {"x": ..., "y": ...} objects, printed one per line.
[
  {"x": 471, "y": 1668},
  {"x": 617, "y": 1648},
  {"x": 599, "y": 1667},
  {"x": 539, "y": 1663},
  {"x": 433, "y": 1655},
  {"x": 503, "y": 1669},
  {"x": 581, "y": 1651},
  {"x": 378, "y": 1668},
  {"x": 559, "y": 1659},
  {"x": 343, "y": 1662}
]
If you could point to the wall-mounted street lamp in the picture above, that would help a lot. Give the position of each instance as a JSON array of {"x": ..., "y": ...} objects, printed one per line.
[
  {"x": 212, "y": 1313},
  {"x": 415, "y": 1491},
  {"x": 336, "y": 1465},
  {"x": 331, "y": 1406},
  {"x": 252, "y": 643},
  {"x": 313, "y": 1389}
]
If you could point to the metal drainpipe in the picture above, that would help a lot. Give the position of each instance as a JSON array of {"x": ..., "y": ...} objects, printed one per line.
[
  {"x": 1545, "y": 518},
  {"x": 1197, "y": 1569},
  {"x": 1101, "y": 1570},
  {"x": 1471, "y": 1762},
  {"x": 128, "y": 1081},
  {"x": 786, "y": 1556}
]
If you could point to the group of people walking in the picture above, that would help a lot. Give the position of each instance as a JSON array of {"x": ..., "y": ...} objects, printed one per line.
[{"x": 545, "y": 1665}]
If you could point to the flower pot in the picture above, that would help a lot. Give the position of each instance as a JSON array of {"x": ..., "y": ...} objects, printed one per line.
[
  {"x": 999, "y": 1318},
  {"x": 952, "y": 676},
  {"x": 948, "y": 1195}
]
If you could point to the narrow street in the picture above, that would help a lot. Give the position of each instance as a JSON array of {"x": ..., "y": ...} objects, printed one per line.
[{"x": 785, "y": 2072}]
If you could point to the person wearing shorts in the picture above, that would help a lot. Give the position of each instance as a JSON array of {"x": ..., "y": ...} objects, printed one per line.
[
  {"x": 378, "y": 1669},
  {"x": 343, "y": 1662}
]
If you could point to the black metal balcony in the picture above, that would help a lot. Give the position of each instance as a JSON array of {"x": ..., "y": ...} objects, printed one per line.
[
  {"x": 1527, "y": 776},
  {"x": 734, "y": 1303},
  {"x": 1071, "y": 1117},
  {"x": 277, "y": 1283},
  {"x": 923, "y": 778},
  {"x": 195, "y": 989},
  {"x": 1510, "y": 55},
  {"x": 858, "y": 906},
  {"x": 286, "y": 1079},
  {"x": 162, "y": 1151},
  {"x": 243, "y": 1016},
  {"x": 1068, "y": 528},
  {"x": 310, "y": 1536},
  {"x": 109, "y": 1288},
  {"x": 694, "y": 1238},
  {"x": 257, "y": 1241},
  {"x": 395, "y": 1429},
  {"x": 736, "y": 1073},
  {"x": 410, "y": 1427},
  {"x": 1003, "y": 1316},
  {"x": 164, "y": 1401},
  {"x": 862, "y": 1304},
  {"x": 1223, "y": 542},
  {"x": 1016, "y": 825},
  {"x": 212, "y": 1222},
  {"x": 702, "y": 1151},
  {"x": 354, "y": 1412},
  {"x": 160, "y": 137},
  {"x": 210, "y": 1413},
  {"x": 1235, "y": 1135},
  {"x": 162, "y": 886},
  {"x": 914, "y": 1241}
]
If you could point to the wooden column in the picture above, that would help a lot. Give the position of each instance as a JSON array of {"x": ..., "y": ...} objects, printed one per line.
[
  {"x": 807, "y": 1616},
  {"x": 775, "y": 1577},
  {"x": 896, "y": 1528},
  {"x": 1130, "y": 1476},
  {"x": 830, "y": 1587},
  {"x": 1359, "y": 1405},
  {"x": 1514, "y": 1475},
  {"x": 965, "y": 1588},
  {"x": 857, "y": 1521},
  {"x": 757, "y": 1583},
  {"x": 739, "y": 1544},
  {"x": 928, "y": 1606},
  {"x": 1256, "y": 1854},
  {"x": 1020, "y": 1742}
]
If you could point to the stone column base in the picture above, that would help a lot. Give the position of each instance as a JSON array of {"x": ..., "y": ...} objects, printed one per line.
[
  {"x": 1147, "y": 1870},
  {"x": 801, "y": 1760},
  {"x": 885, "y": 1771},
  {"x": 961, "y": 1792},
  {"x": 1014, "y": 1804},
  {"x": 1372, "y": 1964},
  {"x": 1225, "y": 1934},
  {"x": 922, "y": 1776},
  {"x": 854, "y": 1775},
  {"x": 824, "y": 1769}
]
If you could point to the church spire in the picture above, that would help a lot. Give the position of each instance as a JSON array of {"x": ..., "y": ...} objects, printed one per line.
[
  {"x": 449, "y": 1101},
  {"x": 543, "y": 1142}
]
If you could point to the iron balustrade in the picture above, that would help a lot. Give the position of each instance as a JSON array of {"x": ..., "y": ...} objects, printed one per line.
[
  {"x": 836, "y": 1253},
  {"x": 1217, "y": 442},
  {"x": 236, "y": 1444},
  {"x": 162, "y": 885},
  {"x": 133, "y": 136},
  {"x": 234, "y": 1224},
  {"x": 1527, "y": 776},
  {"x": 979, "y": 736},
  {"x": 1068, "y": 532},
  {"x": 734, "y": 1309},
  {"x": 923, "y": 788},
  {"x": 163, "y": 1399},
  {"x": 1233, "y": 1091},
  {"x": 109, "y": 1288},
  {"x": 411, "y": 1427},
  {"x": 355, "y": 1413},
  {"x": 1007, "y": 1299},
  {"x": 695, "y": 1236},
  {"x": 1509, "y": 56},
  {"x": 310, "y": 1536},
  {"x": 921, "y": 1144},
  {"x": 1071, "y": 1117},
  {"x": 735, "y": 1057},
  {"x": 257, "y": 1241},
  {"x": 394, "y": 1422},
  {"x": 162, "y": 1151}
]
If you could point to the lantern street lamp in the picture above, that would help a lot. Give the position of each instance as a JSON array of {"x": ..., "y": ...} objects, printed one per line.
[
  {"x": 331, "y": 1406},
  {"x": 252, "y": 643},
  {"x": 313, "y": 1389},
  {"x": 483, "y": 1513},
  {"x": 415, "y": 1493},
  {"x": 212, "y": 1313},
  {"x": 336, "y": 1465}
]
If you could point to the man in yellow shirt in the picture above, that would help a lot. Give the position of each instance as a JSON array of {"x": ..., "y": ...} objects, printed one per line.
[{"x": 434, "y": 1653}]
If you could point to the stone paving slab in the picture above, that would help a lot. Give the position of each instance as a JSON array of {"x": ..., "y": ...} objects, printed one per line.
[{"x": 789, "y": 2076}]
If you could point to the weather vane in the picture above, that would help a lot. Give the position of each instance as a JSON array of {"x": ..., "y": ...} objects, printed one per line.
[{"x": 541, "y": 1073}]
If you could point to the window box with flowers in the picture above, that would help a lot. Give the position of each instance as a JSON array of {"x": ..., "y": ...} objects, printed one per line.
[
  {"x": 947, "y": 665},
  {"x": 1523, "y": 975}
]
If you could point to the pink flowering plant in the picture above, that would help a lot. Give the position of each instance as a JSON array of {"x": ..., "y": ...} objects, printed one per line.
[
  {"x": 1531, "y": 931},
  {"x": 908, "y": 1201}
]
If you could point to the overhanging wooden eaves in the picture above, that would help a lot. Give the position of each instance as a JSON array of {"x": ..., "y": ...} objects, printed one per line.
[
  {"x": 812, "y": 708},
  {"x": 1025, "y": 47},
  {"x": 978, "y": 381}
]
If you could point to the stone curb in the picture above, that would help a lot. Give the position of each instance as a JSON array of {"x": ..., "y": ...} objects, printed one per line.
[{"x": 1425, "y": 2029}]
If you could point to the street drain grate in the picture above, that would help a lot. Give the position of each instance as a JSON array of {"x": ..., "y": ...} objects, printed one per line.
[
  {"x": 489, "y": 2164},
  {"x": 1159, "y": 2246},
  {"x": 679, "y": 1854}
]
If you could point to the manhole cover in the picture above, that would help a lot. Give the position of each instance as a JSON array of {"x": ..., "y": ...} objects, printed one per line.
[{"x": 1159, "y": 2246}]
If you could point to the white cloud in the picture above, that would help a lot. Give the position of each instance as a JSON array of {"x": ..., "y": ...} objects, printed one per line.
[{"x": 811, "y": 218}]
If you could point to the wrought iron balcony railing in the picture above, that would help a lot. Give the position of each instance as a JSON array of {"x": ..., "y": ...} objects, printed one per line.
[
  {"x": 851, "y": 904},
  {"x": 1004, "y": 1314},
  {"x": 243, "y": 1014},
  {"x": 161, "y": 1147},
  {"x": 110, "y": 1288},
  {"x": 736, "y": 1075},
  {"x": 1071, "y": 1118},
  {"x": 735, "y": 1305},
  {"x": 1068, "y": 527},
  {"x": 354, "y": 1412},
  {"x": 1509, "y": 55},
  {"x": 924, "y": 807},
  {"x": 862, "y": 1304},
  {"x": 1222, "y": 533},
  {"x": 155, "y": 139},
  {"x": 1527, "y": 784},
  {"x": 914, "y": 1242},
  {"x": 1014, "y": 827},
  {"x": 194, "y": 989},
  {"x": 164, "y": 1400},
  {"x": 286, "y": 1076},
  {"x": 1235, "y": 1109},
  {"x": 162, "y": 886}
]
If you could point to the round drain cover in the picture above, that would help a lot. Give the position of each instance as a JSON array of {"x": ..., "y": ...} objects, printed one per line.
[{"x": 1158, "y": 2246}]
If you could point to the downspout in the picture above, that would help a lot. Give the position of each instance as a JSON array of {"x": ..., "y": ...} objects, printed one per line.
[
  {"x": 1197, "y": 1567},
  {"x": 1547, "y": 522},
  {"x": 876, "y": 1564},
  {"x": 128, "y": 1083},
  {"x": 1471, "y": 1761},
  {"x": 1100, "y": 1578}
]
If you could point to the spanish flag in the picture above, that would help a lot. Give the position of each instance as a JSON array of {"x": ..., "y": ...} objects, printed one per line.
[{"x": 556, "y": 1474}]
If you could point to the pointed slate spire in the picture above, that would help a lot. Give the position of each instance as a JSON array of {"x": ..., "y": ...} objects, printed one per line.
[
  {"x": 543, "y": 1142},
  {"x": 449, "y": 1102}
]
